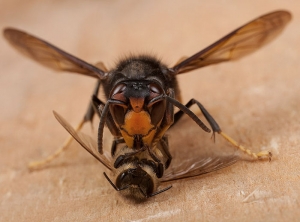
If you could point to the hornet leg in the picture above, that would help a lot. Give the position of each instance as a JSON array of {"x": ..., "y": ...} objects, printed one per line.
[
  {"x": 216, "y": 128},
  {"x": 88, "y": 117}
]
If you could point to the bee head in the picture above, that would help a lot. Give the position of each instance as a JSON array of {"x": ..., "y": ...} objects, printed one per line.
[
  {"x": 138, "y": 178},
  {"x": 137, "y": 181}
]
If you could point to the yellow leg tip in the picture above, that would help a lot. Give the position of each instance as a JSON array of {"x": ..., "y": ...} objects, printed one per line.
[
  {"x": 36, "y": 165},
  {"x": 260, "y": 155},
  {"x": 264, "y": 154}
]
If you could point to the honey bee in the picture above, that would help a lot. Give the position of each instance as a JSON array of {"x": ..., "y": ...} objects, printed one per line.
[
  {"x": 141, "y": 94},
  {"x": 138, "y": 176}
]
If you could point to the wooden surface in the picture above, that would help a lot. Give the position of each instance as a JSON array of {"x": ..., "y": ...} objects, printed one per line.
[{"x": 256, "y": 100}]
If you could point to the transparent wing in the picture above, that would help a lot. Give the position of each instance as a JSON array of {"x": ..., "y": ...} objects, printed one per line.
[
  {"x": 191, "y": 167},
  {"x": 85, "y": 141},
  {"x": 238, "y": 43},
  {"x": 49, "y": 55}
]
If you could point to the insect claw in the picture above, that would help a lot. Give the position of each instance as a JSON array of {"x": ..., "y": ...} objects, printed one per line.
[{"x": 213, "y": 137}]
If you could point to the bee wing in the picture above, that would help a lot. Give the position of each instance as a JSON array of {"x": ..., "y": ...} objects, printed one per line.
[
  {"x": 238, "y": 43},
  {"x": 49, "y": 55},
  {"x": 85, "y": 141},
  {"x": 192, "y": 167}
]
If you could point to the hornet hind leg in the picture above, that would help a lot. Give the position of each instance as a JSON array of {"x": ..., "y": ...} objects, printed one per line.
[{"x": 88, "y": 117}]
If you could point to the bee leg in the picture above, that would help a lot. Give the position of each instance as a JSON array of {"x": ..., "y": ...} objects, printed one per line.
[
  {"x": 165, "y": 147},
  {"x": 216, "y": 128},
  {"x": 88, "y": 117},
  {"x": 160, "y": 170},
  {"x": 114, "y": 145}
]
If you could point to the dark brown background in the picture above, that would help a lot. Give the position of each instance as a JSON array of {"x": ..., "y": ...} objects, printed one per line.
[{"x": 256, "y": 100}]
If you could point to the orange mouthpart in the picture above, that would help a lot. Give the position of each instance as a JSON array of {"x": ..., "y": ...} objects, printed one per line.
[{"x": 137, "y": 104}]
